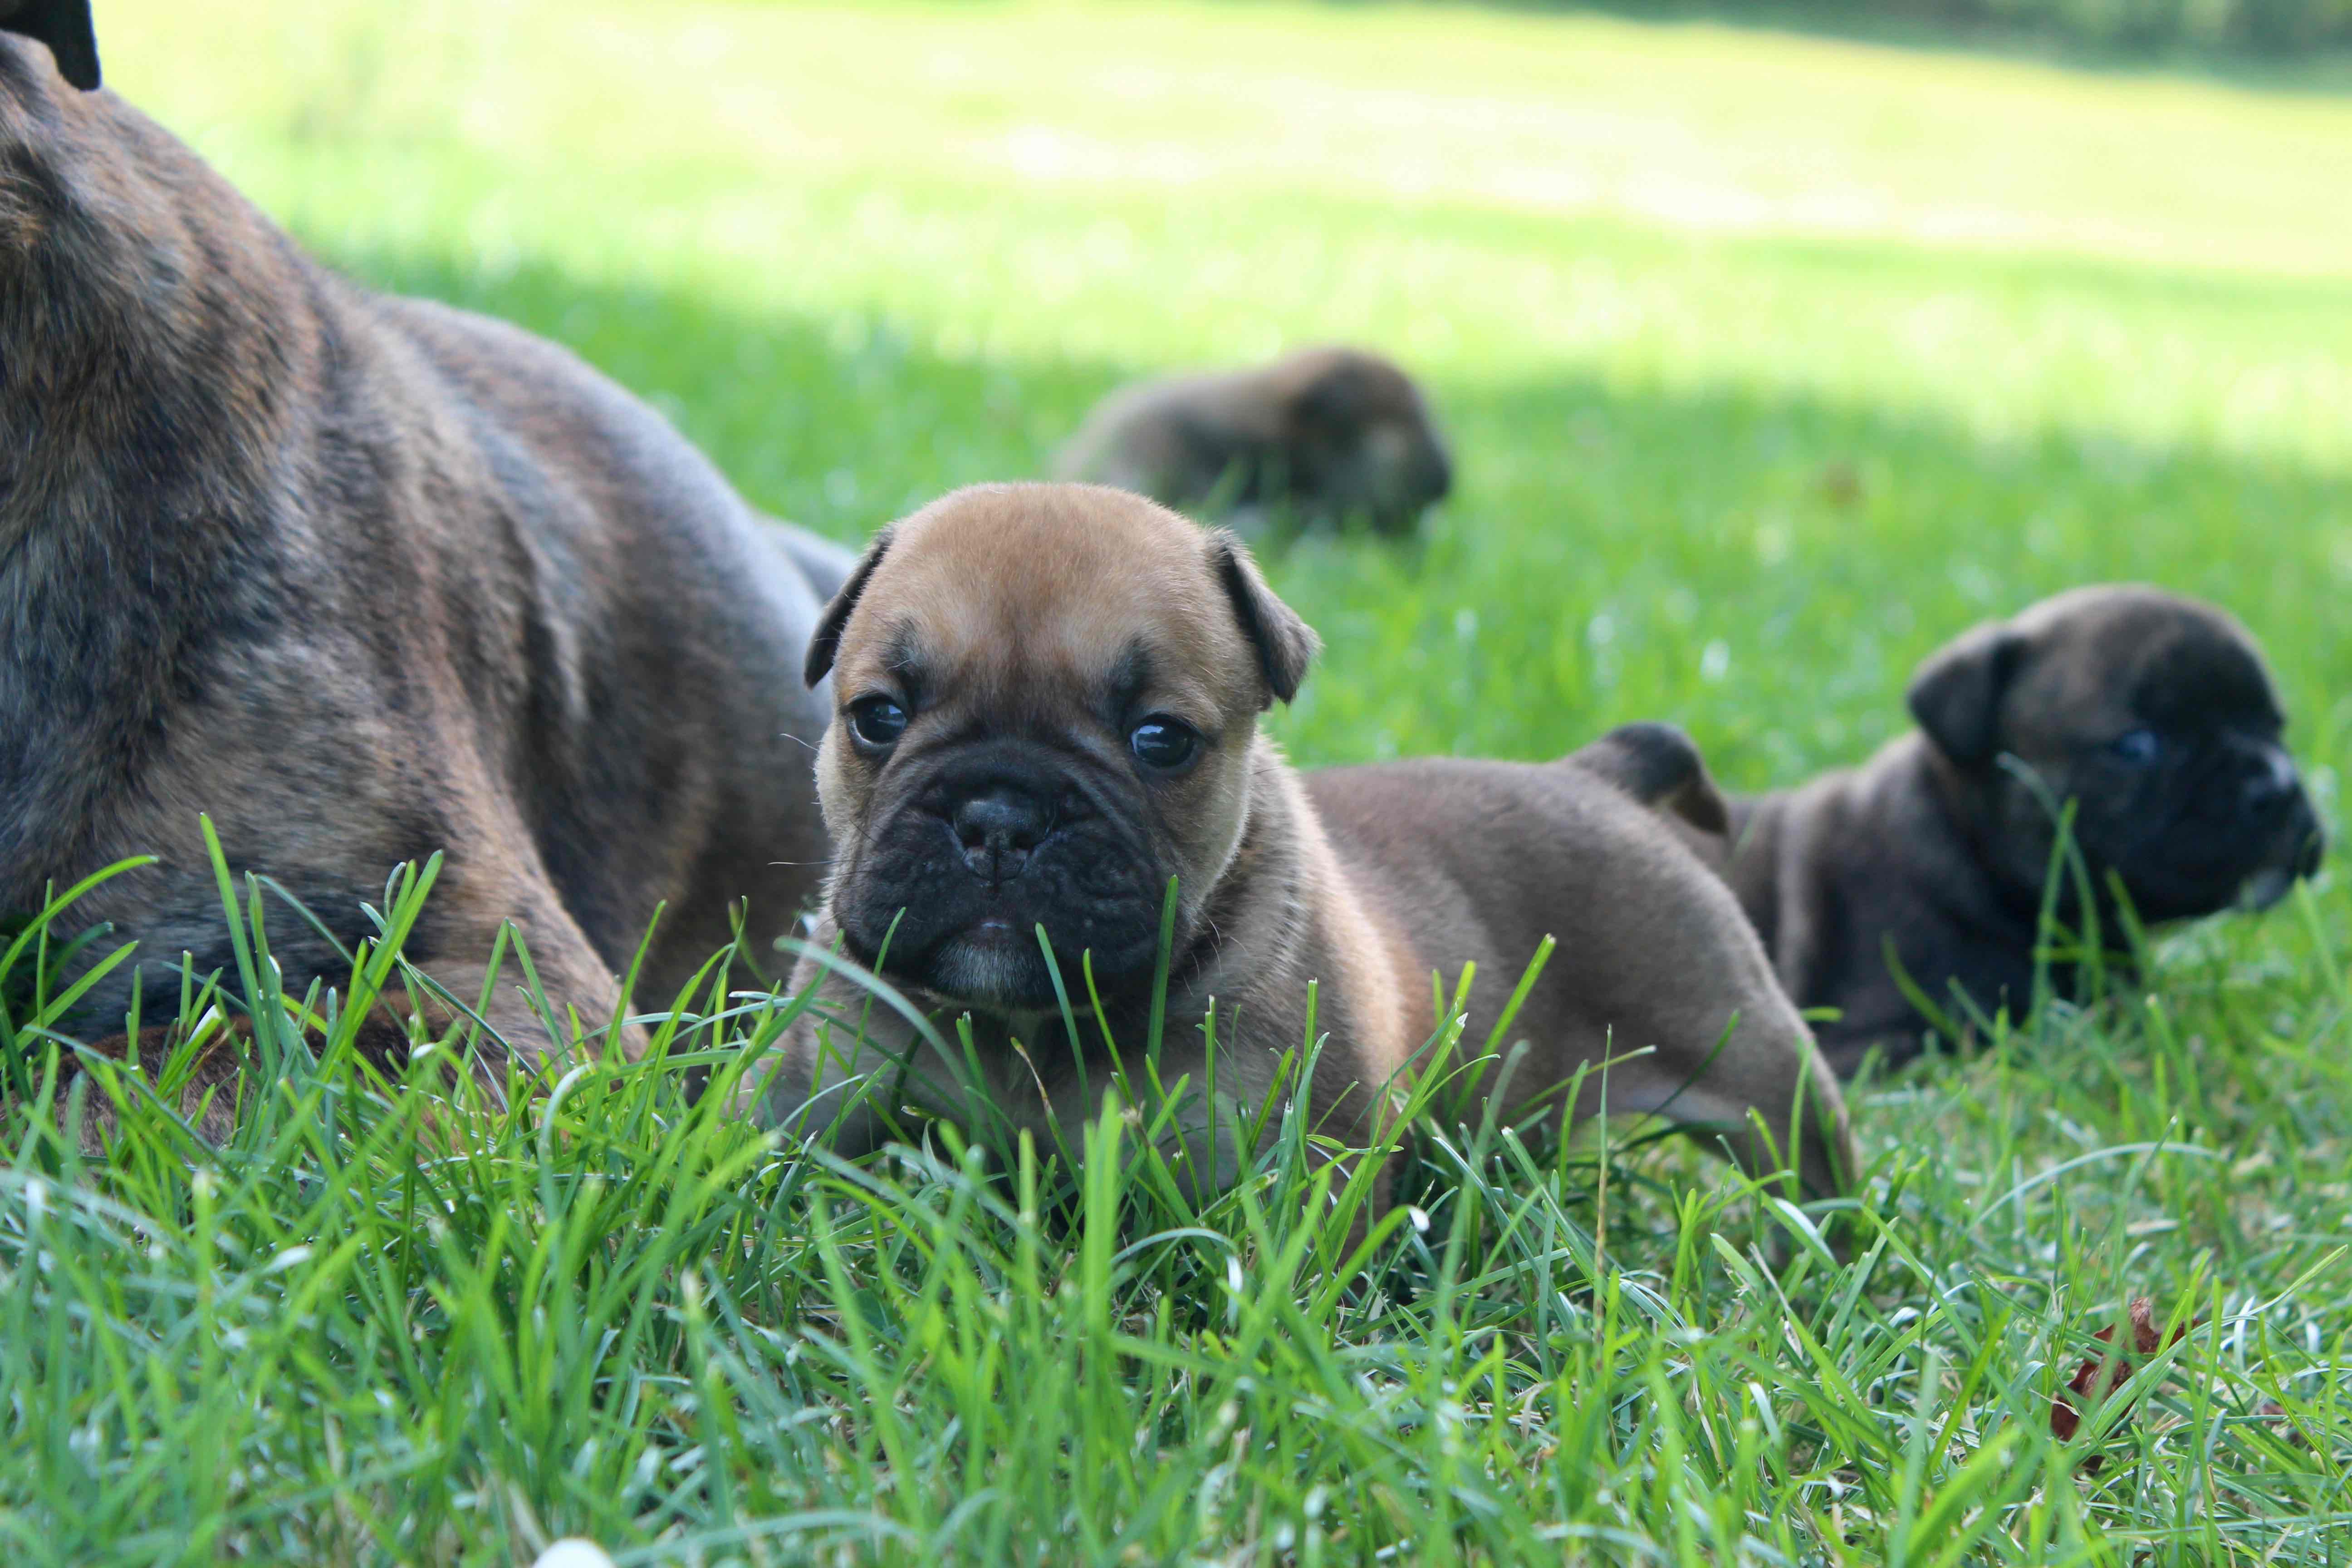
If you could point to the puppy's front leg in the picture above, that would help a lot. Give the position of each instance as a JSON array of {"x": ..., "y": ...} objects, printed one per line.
[{"x": 462, "y": 932}]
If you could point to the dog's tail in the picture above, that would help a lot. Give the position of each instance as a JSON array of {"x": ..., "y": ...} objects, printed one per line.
[
  {"x": 1661, "y": 767},
  {"x": 65, "y": 27}
]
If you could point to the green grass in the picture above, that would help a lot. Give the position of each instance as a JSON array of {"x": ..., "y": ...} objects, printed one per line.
[{"x": 1671, "y": 288}]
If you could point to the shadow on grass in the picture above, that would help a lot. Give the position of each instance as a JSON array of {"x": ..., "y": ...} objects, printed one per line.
[
  {"x": 2269, "y": 64},
  {"x": 1764, "y": 568}
]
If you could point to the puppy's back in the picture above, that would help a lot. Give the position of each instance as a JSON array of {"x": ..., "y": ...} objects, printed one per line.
[
  {"x": 1166, "y": 437},
  {"x": 1480, "y": 861}
]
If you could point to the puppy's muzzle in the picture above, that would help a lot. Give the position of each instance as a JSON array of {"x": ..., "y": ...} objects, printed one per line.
[
  {"x": 2269, "y": 783},
  {"x": 2272, "y": 801},
  {"x": 1436, "y": 474},
  {"x": 999, "y": 841}
]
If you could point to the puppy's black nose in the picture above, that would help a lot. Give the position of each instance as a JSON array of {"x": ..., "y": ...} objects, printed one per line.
[{"x": 998, "y": 828}]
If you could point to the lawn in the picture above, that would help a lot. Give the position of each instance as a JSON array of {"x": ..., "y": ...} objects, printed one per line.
[{"x": 1770, "y": 363}]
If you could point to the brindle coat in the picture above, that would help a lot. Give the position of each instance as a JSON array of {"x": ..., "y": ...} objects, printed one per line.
[{"x": 363, "y": 578}]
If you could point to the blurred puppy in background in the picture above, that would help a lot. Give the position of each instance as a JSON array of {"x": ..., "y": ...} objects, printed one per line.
[
  {"x": 1324, "y": 435},
  {"x": 2154, "y": 713}
]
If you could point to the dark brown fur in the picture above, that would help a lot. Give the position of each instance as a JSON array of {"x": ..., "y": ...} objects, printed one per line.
[
  {"x": 363, "y": 578},
  {"x": 1027, "y": 630},
  {"x": 1329, "y": 434},
  {"x": 1660, "y": 767},
  {"x": 1937, "y": 847}
]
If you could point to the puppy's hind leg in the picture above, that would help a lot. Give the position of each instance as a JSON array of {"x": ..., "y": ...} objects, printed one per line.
[
  {"x": 1772, "y": 1101},
  {"x": 1742, "y": 1074}
]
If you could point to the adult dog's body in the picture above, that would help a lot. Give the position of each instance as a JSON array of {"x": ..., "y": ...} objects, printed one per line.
[
  {"x": 2154, "y": 713},
  {"x": 365, "y": 579},
  {"x": 1049, "y": 701}
]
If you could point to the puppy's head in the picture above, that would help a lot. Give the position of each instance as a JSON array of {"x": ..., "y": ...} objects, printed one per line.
[
  {"x": 2156, "y": 715},
  {"x": 1358, "y": 438},
  {"x": 1045, "y": 705}
]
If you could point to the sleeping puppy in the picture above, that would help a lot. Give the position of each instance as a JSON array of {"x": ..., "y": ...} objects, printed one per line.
[
  {"x": 1325, "y": 435},
  {"x": 2154, "y": 713},
  {"x": 1047, "y": 699},
  {"x": 363, "y": 579}
]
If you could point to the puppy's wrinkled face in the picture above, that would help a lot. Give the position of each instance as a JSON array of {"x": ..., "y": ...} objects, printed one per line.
[
  {"x": 1361, "y": 439},
  {"x": 2156, "y": 716},
  {"x": 1046, "y": 702}
]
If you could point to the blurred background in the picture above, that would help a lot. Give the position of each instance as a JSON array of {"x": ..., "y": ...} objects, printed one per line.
[{"x": 1775, "y": 345}]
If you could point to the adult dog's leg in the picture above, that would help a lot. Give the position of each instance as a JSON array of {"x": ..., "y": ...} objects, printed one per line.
[{"x": 459, "y": 931}]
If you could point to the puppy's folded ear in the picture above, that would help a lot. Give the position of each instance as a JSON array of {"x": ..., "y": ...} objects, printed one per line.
[
  {"x": 1661, "y": 767},
  {"x": 1285, "y": 644},
  {"x": 63, "y": 25},
  {"x": 825, "y": 641},
  {"x": 1955, "y": 695}
]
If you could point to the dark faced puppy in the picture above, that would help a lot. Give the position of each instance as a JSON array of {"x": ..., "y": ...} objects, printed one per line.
[
  {"x": 2153, "y": 713},
  {"x": 1329, "y": 435},
  {"x": 365, "y": 579},
  {"x": 1047, "y": 701}
]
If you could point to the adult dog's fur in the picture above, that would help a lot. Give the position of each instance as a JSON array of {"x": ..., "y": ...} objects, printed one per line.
[
  {"x": 1047, "y": 706},
  {"x": 1329, "y": 435},
  {"x": 2153, "y": 712},
  {"x": 363, "y": 578}
]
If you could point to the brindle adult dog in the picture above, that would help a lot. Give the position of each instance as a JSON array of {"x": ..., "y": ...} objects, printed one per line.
[{"x": 363, "y": 578}]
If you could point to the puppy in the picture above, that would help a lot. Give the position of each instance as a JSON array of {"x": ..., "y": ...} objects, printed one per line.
[
  {"x": 365, "y": 579},
  {"x": 1329, "y": 435},
  {"x": 1047, "y": 700},
  {"x": 2154, "y": 713}
]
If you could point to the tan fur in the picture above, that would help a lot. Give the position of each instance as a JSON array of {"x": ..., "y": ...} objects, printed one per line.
[{"x": 994, "y": 618}]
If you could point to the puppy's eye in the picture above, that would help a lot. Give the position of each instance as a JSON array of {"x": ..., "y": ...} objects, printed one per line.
[
  {"x": 2137, "y": 748},
  {"x": 877, "y": 721},
  {"x": 1163, "y": 743}
]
